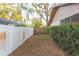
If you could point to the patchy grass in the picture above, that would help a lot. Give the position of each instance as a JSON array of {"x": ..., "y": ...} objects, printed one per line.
[
  {"x": 32, "y": 46},
  {"x": 42, "y": 37},
  {"x": 38, "y": 45}
]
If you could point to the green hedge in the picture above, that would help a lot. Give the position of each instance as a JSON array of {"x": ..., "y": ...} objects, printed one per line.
[{"x": 67, "y": 36}]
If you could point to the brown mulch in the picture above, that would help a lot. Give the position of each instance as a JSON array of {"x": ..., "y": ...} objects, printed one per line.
[{"x": 38, "y": 45}]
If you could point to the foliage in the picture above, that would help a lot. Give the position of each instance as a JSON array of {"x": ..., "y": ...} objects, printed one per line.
[
  {"x": 14, "y": 12},
  {"x": 37, "y": 22},
  {"x": 29, "y": 10},
  {"x": 4, "y": 11},
  {"x": 67, "y": 36},
  {"x": 16, "y": 16},
  {"x": 41, "y": 9},
  {"x": 7, "y": 12}
]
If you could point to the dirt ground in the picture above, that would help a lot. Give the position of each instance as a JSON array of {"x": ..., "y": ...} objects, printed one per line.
[{"x": 38, "y": 45}]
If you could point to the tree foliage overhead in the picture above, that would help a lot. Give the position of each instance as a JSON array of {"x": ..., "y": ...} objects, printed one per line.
[
  {"x": 42, "y": 9},
  {"x": 14, "y": 12},
  {"x": 7, "y": 11}
]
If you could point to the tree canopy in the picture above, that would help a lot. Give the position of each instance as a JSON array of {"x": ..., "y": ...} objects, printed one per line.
[{"x": 33, "y": 11}]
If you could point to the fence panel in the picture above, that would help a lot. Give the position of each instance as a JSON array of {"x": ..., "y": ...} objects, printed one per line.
[
  {"x": 40, "y": 31},
  {"x": 12, "y": 37}
]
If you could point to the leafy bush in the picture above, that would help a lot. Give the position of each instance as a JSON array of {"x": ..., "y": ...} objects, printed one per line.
[
  {"x": 67, "y": 36},
  {"x": 48, "y": 30},
  {"x": 20, "y": 25},
  {"x": 37, "y": 23}
]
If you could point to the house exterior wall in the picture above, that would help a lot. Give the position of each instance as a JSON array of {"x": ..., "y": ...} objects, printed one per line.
[
  {"x": 55, "y": 23},
  {"x": 64, "y": 12}
]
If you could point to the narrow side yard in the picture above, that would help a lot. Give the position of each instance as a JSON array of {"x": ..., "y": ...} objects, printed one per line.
[{"x": 38, "y": 45}]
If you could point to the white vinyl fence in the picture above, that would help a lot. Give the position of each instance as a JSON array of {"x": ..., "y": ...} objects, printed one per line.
[{"x": 12, "y": 37}]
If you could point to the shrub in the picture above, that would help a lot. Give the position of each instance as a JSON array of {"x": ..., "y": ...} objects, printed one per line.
[
  {"x": 67, "y": 36},
  {"x": 48, "y": 30},
  {"x": 37, "y": 23}
]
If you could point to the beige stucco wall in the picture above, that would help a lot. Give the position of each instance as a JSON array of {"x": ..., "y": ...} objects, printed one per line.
[{"x": 65, "y": 11}]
